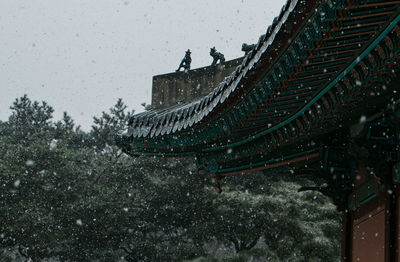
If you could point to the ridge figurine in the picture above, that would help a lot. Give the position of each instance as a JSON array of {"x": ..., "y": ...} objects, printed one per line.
[
  {"x": 247, "y": 48},
  {"x": 185, "y": 63},
  {"x": 216, "y": 56}
]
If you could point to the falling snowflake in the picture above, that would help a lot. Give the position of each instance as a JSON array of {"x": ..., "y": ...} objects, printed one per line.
[
  {"x": 53, "y": 144},
  {"x": 17, "y": 183},
  {"x": 30, "y": 162}
]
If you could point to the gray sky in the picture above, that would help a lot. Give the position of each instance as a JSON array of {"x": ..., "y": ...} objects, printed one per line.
[{"x": 82, "y": 55}]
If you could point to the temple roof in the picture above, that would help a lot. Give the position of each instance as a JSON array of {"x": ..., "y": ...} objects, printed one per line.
[
  {"x": 318, "y": 67},
  {"x": 183, "y": 116}
]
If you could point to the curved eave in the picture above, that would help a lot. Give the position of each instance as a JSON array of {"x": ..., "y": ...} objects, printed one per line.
[
  {"x": 323, "y": 76},
  {"x": 183, "y": 117}
]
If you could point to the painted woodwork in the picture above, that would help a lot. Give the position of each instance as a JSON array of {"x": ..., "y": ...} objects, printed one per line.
[
  {"x": 319, "y": 96},
  {"x": 369, "y": 236},
  {"x": 331, "y": 67}
]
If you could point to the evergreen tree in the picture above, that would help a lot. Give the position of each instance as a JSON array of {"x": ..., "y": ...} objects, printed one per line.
[{"x": 73, "y": 195}]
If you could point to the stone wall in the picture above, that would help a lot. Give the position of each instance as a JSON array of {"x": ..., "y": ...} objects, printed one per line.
[{"x": 173, "y": 88}]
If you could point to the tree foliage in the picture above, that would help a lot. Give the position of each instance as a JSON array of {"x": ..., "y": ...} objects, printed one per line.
[{"x": 72, "y": 195}]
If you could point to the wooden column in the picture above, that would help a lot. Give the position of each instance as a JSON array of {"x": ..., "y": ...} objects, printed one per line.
[
  {"x": 346, "y": 236},
  {"x": 371, "y": 230},
  {"x": 396, "y": 230},
  {"x": 371, "y": 218}
]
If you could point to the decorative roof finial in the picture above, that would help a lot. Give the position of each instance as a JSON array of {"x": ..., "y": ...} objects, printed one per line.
[
  {"x": 185, "y": 63},
  {"x": 247, "y": 48},
  {"x": 216, "y": 56}
]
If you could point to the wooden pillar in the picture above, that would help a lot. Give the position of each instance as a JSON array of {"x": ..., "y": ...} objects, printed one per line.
[
  {"x": 370, "y": 231},
  {"x": 346, "y": 236},
  {"x": 371, "y": 228},
  {"x": 371, "y": 216},
  {"x": 396, "y": 230}
]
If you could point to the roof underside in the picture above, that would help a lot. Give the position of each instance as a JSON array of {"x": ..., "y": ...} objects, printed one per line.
[{"x": 319, "y": 66}]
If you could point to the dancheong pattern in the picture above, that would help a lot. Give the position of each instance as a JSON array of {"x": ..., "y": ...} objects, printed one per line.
[{"x": 318, "y": 67}]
